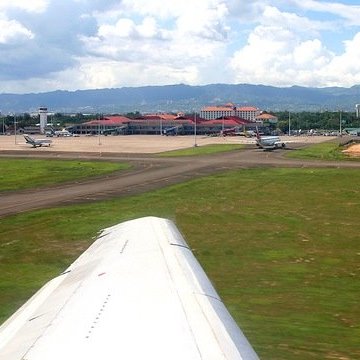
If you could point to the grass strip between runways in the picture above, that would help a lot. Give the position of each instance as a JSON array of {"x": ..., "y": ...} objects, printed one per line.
[
  {"x": 323, "y": 151},
  {"x": 280, "y": 245},
  {"x": 202, "y": 150},
  {"x": 17, "y": 174}
]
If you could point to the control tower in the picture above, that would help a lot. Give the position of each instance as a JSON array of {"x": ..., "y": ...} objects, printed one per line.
[{"x": 43, "y": 119}]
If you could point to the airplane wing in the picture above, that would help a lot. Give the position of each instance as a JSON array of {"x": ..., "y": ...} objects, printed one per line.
[{"x": 136, "y": 293}]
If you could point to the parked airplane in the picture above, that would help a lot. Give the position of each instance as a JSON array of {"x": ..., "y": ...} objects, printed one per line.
[
  {"x": 230, "y": 131},
  {"x": 269, "y": 142},
  {"x": 37, "y": 142},
  {"x": 63, "y": 133},
  {"x": 119, "y": 130},
  {"x": 136, "y": 293},
  {"x": 235, "y": 131},
  {"x": 172, "y": 130}
]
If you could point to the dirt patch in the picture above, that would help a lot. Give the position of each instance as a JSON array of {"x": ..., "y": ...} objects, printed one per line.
[{"x": 353, "y": 150}]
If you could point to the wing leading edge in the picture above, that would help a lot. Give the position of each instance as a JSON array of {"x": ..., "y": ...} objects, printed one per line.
[{"x": 137, "y": 293}]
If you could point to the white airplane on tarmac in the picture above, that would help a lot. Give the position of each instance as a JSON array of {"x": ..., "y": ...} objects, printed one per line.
[
  {"x": 137, "y": 293},
  {"x": 269, "y": 142},
  {"x": 36, "y": 142}
]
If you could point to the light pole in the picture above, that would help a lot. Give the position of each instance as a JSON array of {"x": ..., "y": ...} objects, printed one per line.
[
  {"x": 195, "y": 144},
  {"x": 160, "y": 120},
  {"x": 289, "y": 124},
  {"x": 3, "y": 124},
  {"x": 99, "y": 133},
  {"x": 15, "y": 128},
  {"x": 340, "y": 120}
]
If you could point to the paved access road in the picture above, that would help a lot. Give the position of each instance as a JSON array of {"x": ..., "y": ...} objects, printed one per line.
[{"x": 148, "y": 173}]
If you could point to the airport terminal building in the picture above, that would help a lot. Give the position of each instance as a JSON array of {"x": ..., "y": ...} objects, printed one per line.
[{"x": 163, "y": 124}]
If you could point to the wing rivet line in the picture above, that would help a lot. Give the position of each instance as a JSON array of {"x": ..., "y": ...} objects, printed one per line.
[{"x": 98, "y": 316}]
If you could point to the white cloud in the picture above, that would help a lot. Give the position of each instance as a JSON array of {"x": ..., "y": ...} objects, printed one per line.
[
  {"x": 127, "y": 28},
  {"x": 345, "y": 66},
  {"x": 268, "y": 48},
  {"x": 96, "y": 73},
  {"x": 36, "y": 6},
  {"x": 205, "y": 22},
  {"x": 169, "y": 9},
  {"x": 247, "y": 11},
  {"x": 178, "y": 51},
  {"x": 13, "y": 32},
  {"x": 300, "y": 24},
  {"x": 349, "y": 12},
  {"x": 113, "y": 43},
  {"x": 311, "y": 55},
  {"x": 280, "y": 52},
  {"x": 286, "y": 54}
]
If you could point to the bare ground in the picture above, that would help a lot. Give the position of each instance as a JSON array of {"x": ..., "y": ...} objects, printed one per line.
[{"x": 353, "y": 150}]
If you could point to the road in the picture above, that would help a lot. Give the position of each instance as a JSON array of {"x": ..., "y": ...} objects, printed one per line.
[{"x": 148, "y": 173}]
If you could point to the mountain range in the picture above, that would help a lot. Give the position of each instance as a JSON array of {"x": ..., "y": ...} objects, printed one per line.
[{"x": 186, "y": 98}]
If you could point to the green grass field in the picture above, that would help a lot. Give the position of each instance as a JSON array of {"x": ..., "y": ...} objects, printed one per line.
[
  {"x": 281, "y": 246},
  {"x": 323, "y": 151},
  {"x": 202, "y": 150},
  {"x": 18, "y": 174}
]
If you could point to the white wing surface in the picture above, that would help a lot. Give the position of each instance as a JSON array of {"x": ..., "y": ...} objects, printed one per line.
[{"x": 136, "y": 293}]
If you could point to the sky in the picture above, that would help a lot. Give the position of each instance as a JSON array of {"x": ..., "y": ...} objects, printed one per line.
[{"x": 48, "y": 45}]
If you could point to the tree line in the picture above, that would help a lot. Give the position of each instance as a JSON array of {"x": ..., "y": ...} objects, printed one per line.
[{"x": 325, "y": 120}]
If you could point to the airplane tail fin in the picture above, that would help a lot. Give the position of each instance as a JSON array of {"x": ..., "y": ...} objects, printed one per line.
[{"x": 257, "y": 133}]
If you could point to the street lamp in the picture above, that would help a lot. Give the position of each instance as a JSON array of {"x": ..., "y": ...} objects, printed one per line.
[
  {"x": 15, "y": 128},
  {"x": 340, "y": 120},
  {"x": 159, "y": 112},
  {"x": 195, "y": 144},
  {"x": 289, "y": 124},
  {"x": 99, "y": 133},
  {"x": 3, "y": 124}
]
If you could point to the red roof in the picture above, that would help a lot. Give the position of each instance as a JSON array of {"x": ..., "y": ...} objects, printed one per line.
[
  {"x": 164, "y": 122},
  {"x": 228, "y": 121},
  {"x": 109, "y": 120},
  {"x": 159, "y": 116},
  {"x": 238, "y": 119},
  {"x": 168, "y": 116},
  {"x": 191, "y": 118},
  {"x": 218, "y": 108}
]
